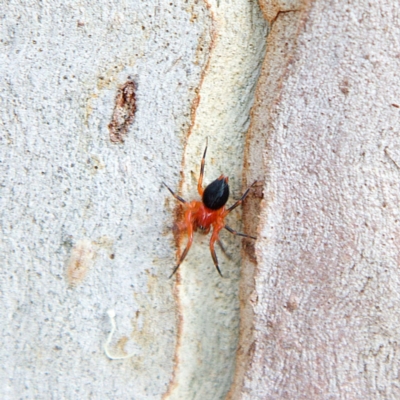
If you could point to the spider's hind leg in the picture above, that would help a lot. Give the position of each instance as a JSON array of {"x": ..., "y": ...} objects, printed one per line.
[
  {"x": 174, "y": 194},
  {"x": 203, "y": 162},
  {"x": 240, "y": 201}
]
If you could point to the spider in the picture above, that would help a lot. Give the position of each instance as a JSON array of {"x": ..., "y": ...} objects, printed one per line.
[{"x": 207, "y": 213}]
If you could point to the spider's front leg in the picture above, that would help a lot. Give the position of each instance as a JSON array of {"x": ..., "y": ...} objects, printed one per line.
[
  {"x": 215, "y": 238},
  {"x": 188, "y": 225}
]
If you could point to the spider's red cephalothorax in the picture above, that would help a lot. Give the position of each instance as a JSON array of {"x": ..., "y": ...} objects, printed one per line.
[{"x": 207, "y": 213}]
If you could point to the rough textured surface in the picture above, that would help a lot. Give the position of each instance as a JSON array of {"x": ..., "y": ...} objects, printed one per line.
[
  {"x": 281, "y": 42},
  {"x": 86, "y": 224},
  {"x": 63, "y": 183},
  {"x": 209, "y": 304},
  {"x": 326, "y": 297}
]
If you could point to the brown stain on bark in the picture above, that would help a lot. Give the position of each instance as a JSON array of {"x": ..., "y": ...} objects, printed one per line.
[
  {"x": 80, "y": 262},
  {"x": 124, "y": 112}
]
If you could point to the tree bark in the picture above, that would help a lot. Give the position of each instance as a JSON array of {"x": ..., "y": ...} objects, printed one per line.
[
  {"x": 320, "y": 298},
  {"x": 85, "y": 220},
  {"x": 100, "y": 104}
]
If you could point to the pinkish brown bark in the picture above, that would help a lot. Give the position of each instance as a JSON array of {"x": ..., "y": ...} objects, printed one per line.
[{"x": 320, "y": 307}]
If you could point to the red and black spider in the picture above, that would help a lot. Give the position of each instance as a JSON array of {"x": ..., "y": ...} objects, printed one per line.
[{"x": 207, "y": 213}]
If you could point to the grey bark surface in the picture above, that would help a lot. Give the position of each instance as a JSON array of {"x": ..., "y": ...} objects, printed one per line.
[
  {"x": 321, "y": 307},
  {"x": 70, "y": 195},
  {"x": 86, "y": 225}
]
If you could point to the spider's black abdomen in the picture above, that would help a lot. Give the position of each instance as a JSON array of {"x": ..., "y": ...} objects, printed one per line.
[{"x": 216, "y": 194}]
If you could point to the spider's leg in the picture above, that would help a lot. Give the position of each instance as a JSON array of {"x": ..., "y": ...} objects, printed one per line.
[
  {"x": 184, "y": 254},
  {"x": 189, "y": 243},
  {"x": 174, "y": 194},
  {"x": 200, "y": 181},
  {"x": 222, "y": 247},
  {"x": 228, "y": 228},
  {"x": 240, "y": 201},
  {"x": 214, "y": 238}
]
